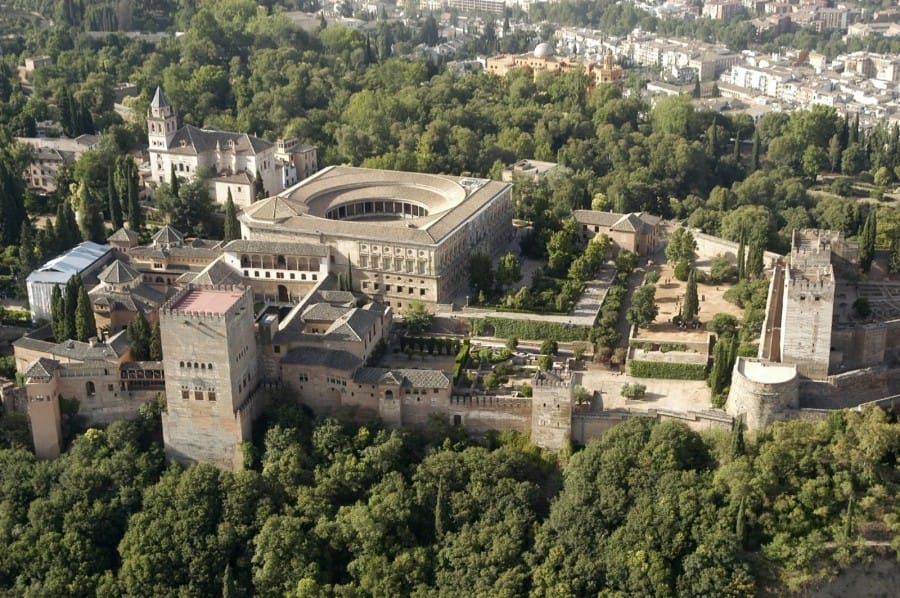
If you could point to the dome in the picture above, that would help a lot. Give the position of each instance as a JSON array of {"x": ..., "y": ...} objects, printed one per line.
[{"x": 543, "y": 50}]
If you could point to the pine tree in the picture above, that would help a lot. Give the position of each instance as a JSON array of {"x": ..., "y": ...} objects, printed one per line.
[
  {"x": 58, "y": 314},
  {"x": 867, "y": 242},
  {"x": 139, "y": 335},
  {"x": 754, "y": 156},
  {"x": 156, "y": 344},
  {"x": 691, "y": 304},
  {"x": 741, "y": 261},
  {"x": 115, "y": 205},
  {"x": 85, "y": 325},
  {"x": 232, "y": 225}
]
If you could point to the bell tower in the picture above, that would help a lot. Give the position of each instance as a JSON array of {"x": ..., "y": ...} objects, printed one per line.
[{"x": 162, "y": 122}]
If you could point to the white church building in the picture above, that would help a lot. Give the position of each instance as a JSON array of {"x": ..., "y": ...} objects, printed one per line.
[{"x": 233, "y": 160}]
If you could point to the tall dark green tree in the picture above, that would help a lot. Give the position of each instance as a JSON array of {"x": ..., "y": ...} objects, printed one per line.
[
  {"x": 29, "y": 258},
  {"x": 232, "y": 225},
  {"x": 259, "y": 188},
  {"x": 741, "y": 261},
  {"x": 73, "y": 291},
  {"x": 754, "y": 155},
  {"x": 85, "y": 325},
  {"x": 67, "y": 233},
  {"x": 58, "y": 314},
  {"x": 12, "y": 195},
  {"x": 135, "y": 216},
  {"x": 155, "y": 347},
  {"x": 139, "y": 334},
  {"x": 867, "y": 242},
  {"x": 755, "y": 258},
  {"x": 113, "y": 201},
  {"x": 174, "y": 182},
  {"x": 691, "y": 305}
]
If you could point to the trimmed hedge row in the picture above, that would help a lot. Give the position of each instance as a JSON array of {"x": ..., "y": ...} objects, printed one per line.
[
  {"x": 535, "y": 329},
  {"x": 671, "y": 371},
  {"x": 459, "y": 363}
]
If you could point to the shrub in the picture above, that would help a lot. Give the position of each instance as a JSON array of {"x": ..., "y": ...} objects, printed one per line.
[
  {"x": 682, "y": 270},
  {"x": 526, "y": 390},
  {"x": 460, "y": 361},
  {"x": 721, "y": 270},
  {"x": 634, "y": 391},
  {"x": 531, "y": 329},
  {"x": 582, "y": 395},
  {"x": 670, "y": 371},
  {"x": 545, "y": 362},
  {"x": 652, "y": 278}
]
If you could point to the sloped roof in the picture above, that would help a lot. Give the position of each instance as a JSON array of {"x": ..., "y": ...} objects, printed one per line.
[
  {"x": 634, "y": 222},
  {"x": 159, "y": 99},
  {"x": 114, "y": 347},
  {"x": 273, "y": 209},
  {"x": 42, "y": 368},
  {"x": 167, "y": 236},
  {"x": 352, "y": 326},
  {"x": 318, "y": 356},
  {"x": 217, "y": 274},
  {"x": 277, "y": 247},
  {"x": 118, "y": 272},
  {"x": 78, "y": 259},
  {"x": 323, "y": 312},
  {"x": 408, "y": 378},
  {"x": 124, "y": 235},
  {"x": 192, "y": 140},
  {"x": 596, "y": 218}
]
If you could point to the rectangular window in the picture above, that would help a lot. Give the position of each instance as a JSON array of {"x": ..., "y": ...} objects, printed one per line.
[
  {"x": 211, "y": 396},
  {"x": 198, "y": 395},
  {"x": 277, "y": 348},
  {"x": 185, "y": 394}
]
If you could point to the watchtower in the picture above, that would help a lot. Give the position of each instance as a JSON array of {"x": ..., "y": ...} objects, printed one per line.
[
  {"x": 162, "y": 122},
  {"x": 210, "y": 360}
]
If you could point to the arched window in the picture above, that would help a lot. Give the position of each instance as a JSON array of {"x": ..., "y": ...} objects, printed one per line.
[
  {"x": 89, "y": 388},
  {"x": 389, "y": 395}
]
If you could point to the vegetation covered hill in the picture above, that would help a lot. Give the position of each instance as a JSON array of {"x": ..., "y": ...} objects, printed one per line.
[{"x": 332, "y": 508}]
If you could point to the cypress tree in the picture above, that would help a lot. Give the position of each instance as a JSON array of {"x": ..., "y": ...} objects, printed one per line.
[
  {"x": 867, "y": 243},
  {"x": 740, "y": 526},
  {"x": 737, "y": 437},
  {"x": 115, "y": 205},
  {"x": 737, "y": 148},
  {"x": 67, "y": 232},
  {"x": 12, "y": 197},
  {"x": 58, "y": 314},
  {"x": 29, "y": 258},
  {"x": 173, "y": 182},
  {"x": 85, "y": 325},
  {"x": 754, "y": 156},
  {"x": 259, "y": 188},
  {"x": 156, "y": 344},
  {"x": 755, "y": 259},
  {"x": 71, "y": 307},
  {"x": 50, "y": 241},
  {"x": 441, "y": 511},
  {"x": 741, "y": 261},
  {"x": 712, "y": 140},
  {"x": 135, "y": 216},
  {"x": 232, "y": 225},
  {"x": 691, "y": 304},
  {"x": 139, "y": 335}
]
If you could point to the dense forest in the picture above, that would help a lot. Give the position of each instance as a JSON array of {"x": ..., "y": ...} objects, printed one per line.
[{"x": 331, "y": 508}]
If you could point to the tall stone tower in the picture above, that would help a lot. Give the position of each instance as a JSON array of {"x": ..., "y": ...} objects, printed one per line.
[
  {"x": 162, "y": 123},
  {"x": 44, "y": 417},
  {"x": 210, "y": 360},
  {"x": 808, "y": 304}
]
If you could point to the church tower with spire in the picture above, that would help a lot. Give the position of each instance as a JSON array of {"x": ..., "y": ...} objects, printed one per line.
[{"x": 162, "y": 122}]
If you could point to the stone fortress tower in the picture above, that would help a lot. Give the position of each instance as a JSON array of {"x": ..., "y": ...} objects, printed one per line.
[
  {"x": 211, "y": 362},
  {"x": 808, "y": 304}
]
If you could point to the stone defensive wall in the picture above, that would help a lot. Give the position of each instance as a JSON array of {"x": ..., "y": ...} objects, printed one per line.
[
  {"x": 762, "y": 391},
  {"x": 708, "y": 245},
  {"x": 849, "y": 389},
  {"x": 481, "y": 414},
  {"x": 588, "y": 426}
]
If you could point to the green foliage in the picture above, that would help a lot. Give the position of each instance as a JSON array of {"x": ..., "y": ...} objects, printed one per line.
[
  {"x": 670, "y": 371},
  {"x": 634, "y": 390},
  {"x": 643, "y": 308},
  {"x": 232, "y": 225},
  {"x": 139, "y": 335},
  {"x": 508, "y": 271},
  {"x": 861, "y": 308},
  {"x": 691, "y": 305},
  {"x": 681, "y": 246},
  {"x": 481, "y": 274},
  {"x": 721, "y": 270},
  {"x": 867, "y": 242},
  {"x": 683, "y": 270},
  {"x": 418, "y": 317},
  {"x": 549, "y": 347},
  {"x": 531, "y": 329},
  {"x": 85, "y": 326}
]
